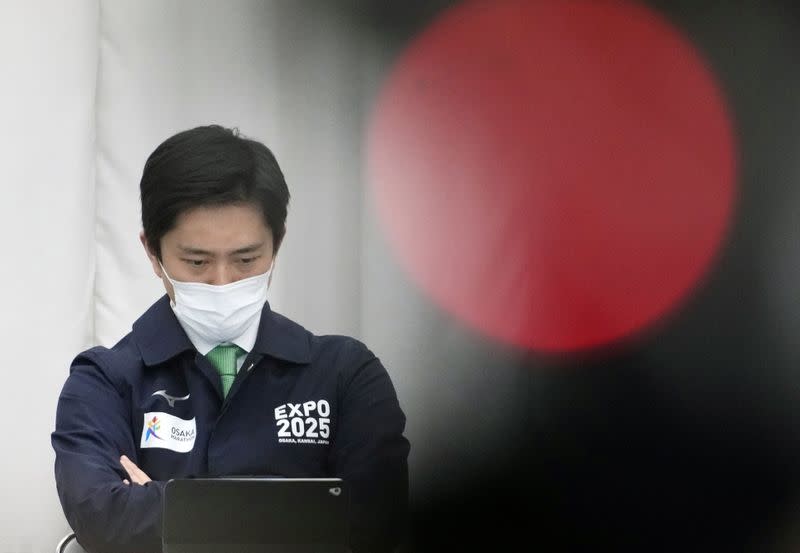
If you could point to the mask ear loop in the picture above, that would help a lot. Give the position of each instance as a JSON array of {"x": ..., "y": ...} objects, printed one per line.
[
  {"x": 166, "y": 274},
  {"x": 271, "y": 272}
]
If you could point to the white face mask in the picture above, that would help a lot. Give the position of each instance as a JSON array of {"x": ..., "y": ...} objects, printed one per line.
[{"x": 219, "y": 313}]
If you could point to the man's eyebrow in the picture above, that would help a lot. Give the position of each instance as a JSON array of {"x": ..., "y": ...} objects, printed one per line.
[
  {"x": 189, "y": 250},
  {"x": 194, "y": 251},
  {"x": 248, "y": 249}
]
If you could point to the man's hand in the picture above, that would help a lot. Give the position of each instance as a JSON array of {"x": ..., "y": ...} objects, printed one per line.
[{"x": 136, "y": 475}]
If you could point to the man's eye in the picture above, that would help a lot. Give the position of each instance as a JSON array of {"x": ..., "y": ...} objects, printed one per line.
[
  {"x": 247, "y": 260},
  {"x": 195, "y": 262}
]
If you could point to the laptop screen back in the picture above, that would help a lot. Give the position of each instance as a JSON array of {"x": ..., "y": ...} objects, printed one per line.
[{"x": 270, "y": 515}]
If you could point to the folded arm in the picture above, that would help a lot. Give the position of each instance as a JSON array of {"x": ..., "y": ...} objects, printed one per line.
[{"x": 93, "y": 429}]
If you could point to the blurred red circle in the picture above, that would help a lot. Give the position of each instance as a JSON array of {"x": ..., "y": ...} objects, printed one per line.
[{"x": 557, "y": 175}]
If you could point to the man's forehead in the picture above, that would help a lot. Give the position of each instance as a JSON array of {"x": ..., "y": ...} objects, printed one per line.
[
  {"x": 229, "y": 227},
  {"x": 241, "y": 211}
]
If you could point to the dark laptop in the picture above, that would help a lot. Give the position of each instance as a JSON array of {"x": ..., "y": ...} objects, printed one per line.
[{"x": 256, "y": 515}]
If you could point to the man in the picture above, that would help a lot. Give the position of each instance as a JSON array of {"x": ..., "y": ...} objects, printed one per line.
[{"x": 211, "y": 382}]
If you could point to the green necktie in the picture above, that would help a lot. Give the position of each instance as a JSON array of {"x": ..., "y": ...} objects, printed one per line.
[{"x": 224, "y": 360}]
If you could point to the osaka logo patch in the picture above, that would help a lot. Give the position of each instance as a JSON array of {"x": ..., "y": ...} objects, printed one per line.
[{"x": 168, "y": 432}]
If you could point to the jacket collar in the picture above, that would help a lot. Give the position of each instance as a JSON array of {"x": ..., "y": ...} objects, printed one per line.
[{"x": 160, "y": 337}]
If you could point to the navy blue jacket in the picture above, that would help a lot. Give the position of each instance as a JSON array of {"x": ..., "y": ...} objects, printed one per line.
[{"x": 301, "y": 406}]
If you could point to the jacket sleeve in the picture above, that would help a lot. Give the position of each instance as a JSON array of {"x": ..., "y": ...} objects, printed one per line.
[
  {"x": 371, "y": 454},
  {"x": 93, "y": 429}
]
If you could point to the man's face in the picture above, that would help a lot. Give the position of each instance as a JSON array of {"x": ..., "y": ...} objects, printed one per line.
[{"x": 214, "y": 245}]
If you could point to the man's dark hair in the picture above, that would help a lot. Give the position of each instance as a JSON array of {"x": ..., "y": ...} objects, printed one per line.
[{"x": 207, "y": 167}]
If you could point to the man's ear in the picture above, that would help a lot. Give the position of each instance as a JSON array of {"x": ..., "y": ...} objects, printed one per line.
[{"x": 154, "y": 261}]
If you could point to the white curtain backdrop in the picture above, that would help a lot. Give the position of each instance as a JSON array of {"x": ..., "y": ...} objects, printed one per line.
[{"x": 48, "y": 58}]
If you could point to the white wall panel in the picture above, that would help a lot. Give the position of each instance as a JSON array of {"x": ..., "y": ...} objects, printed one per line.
[
  {"x": 321, "y": 93},
  {"x": 48, "y": 59}
]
